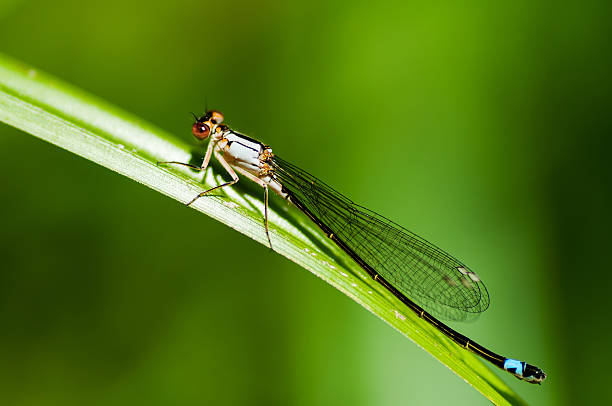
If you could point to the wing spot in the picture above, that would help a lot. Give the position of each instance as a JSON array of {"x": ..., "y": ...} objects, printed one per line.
[
  {"x": 473, "y": 276},
  {"x": 467, "y": 283},
  {"x": 449, "y": 281}
]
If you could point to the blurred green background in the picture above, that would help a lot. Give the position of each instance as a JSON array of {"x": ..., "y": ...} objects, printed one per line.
[{"x": 482, "y": 126}]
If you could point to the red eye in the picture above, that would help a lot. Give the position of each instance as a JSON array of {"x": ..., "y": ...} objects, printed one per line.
[{"x": 200, "y": 130}]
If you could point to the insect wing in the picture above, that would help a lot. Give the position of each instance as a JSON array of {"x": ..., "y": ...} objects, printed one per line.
[{"x": 424, "y": 273}]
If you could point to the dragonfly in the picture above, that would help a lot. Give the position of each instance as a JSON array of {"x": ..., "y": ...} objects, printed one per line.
[{"x": 429, "y": 281}]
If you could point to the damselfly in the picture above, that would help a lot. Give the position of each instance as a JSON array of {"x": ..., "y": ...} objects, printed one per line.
[{"x": 411, "y": 268}]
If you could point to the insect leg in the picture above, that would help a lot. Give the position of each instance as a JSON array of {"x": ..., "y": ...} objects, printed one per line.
[
  {"x": 264, "y": 185},
  {"x": 229, "y": 170},
  {"x": 200, "y": 168}
]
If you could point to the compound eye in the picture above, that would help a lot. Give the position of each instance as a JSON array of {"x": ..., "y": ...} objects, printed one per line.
[
  {"x": 216, "y": 116},
  {"x": 200, "y": 130}
]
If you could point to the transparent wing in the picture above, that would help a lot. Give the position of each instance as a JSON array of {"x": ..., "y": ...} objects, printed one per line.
[{"x": 432, "y": 278}]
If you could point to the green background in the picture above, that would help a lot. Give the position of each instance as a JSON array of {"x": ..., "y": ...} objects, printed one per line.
[{"x": 482, "y": 126}]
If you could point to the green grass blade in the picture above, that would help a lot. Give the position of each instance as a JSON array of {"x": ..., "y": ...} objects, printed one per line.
[{"x": 80, "y": 123}]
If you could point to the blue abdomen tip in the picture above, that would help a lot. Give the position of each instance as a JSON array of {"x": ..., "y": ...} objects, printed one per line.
[{"x": 514, "y": 366}]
